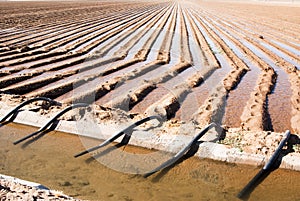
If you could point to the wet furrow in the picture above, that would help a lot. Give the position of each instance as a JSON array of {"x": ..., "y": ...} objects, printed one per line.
[
  {"x": 259, "y": 23},
  {"x": 55, "y": 65},
  {"x": 284, "y": 50},
  {"x": 105, "y": 65},
  {"x": 204, "y": 63},
  {"x": 81, "y": 78},
  {"x": 141, "y": 98},
  {"x": 177, "y": 88},
  {"x": 288, "y": 53},
  {"x": 46, "y": 39},
  {"x": 34, "y": 30},
  {"x": 255, "y": 27},
  {"x": 98, "y": 89},
  {"x": 276, "y": 36},
  {"x": 283, "y": 123},
  {"x": 238, "y": 91},
  {"x": 213, "y": 108},
  {"x": 131, "y": 93},
  {"x": 75, "y": 41},
  {"x": 282, "y": 87},
  {"x": 183, "y": 60}
]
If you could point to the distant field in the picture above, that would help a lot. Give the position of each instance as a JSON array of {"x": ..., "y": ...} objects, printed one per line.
[{"x": 232, "y": 63}]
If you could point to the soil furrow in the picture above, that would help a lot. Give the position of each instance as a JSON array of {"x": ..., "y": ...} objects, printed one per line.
[
  {"x": 124, "y": 49},
  {"x": 62, "y": 24},
  {"x": 253, "y": 27},
  {"x": 198, "y": 62},
  {"x": 95, "y": 89},
  {"x": 143, "y": 53},
  {"x": 43, "y": 41},
  {"x": 261, "y": 24},
  {"x": 126, "y": 101},
  {"x": 56, "y": 89},
  {"x": 130, "y": 31},
  {"x": 204, "y": 64},
  {"x": 259, "y": 117},
  {"x": 139, "y": 92},
  {"x": 208, "y": 56},
  {"x": 46, "y": 61},
  {"x": 57, "y": 65},
  {"x": 168, "y": 105},
  {"x": 84, "y": 37},
  {"x": 289, "y": 69},
  {"x": 213, "y": 108},
  {"x": 101, "y": 90},
  {"x": 268, "y": 40},
  {"x": 89, "y": 75},
  {"x": 287, "y": 54}
]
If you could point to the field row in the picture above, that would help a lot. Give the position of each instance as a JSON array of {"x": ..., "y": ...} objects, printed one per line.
[{"x": 183, "y": 60}]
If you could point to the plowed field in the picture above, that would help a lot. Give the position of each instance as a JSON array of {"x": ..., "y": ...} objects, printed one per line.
[{"x": 236, "y": 64}]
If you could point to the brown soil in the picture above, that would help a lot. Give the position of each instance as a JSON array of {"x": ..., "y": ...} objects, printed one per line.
[
  {"x": 10, "y": 190},
  {"x": 140, "y": 57}
]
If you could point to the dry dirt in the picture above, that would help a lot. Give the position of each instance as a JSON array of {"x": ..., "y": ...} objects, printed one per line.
[{"x": 10, "y": 190}]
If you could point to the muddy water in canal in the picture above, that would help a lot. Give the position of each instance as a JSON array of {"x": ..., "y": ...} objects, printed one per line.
[{"x": 50, "y": 161}]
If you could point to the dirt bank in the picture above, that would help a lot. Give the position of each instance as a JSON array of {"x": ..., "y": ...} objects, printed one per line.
[{"x": 16, "y": 189}]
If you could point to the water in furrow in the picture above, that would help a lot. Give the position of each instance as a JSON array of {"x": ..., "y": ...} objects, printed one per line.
[
  {"x": 280, "y": 54},
  {"x": 159, "y": 46},
  {"x": 61, "y": 50},
  {"x": 148, "y": 42},
  {"x": 279, "y": 104},
  {"x": 238, "y": 97}
]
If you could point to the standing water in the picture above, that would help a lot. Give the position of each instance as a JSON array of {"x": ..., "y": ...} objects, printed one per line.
[{"x": 50, "y": 161}]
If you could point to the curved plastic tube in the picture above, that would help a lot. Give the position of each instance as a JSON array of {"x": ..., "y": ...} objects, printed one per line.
[
  {"x": 175, "y": 158},
  {"x": 113, "y": 138},
  {"x": 26, "y": 103},
  {"x": 51, "y": 121},
  {"x": 265, "y": 171}
]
